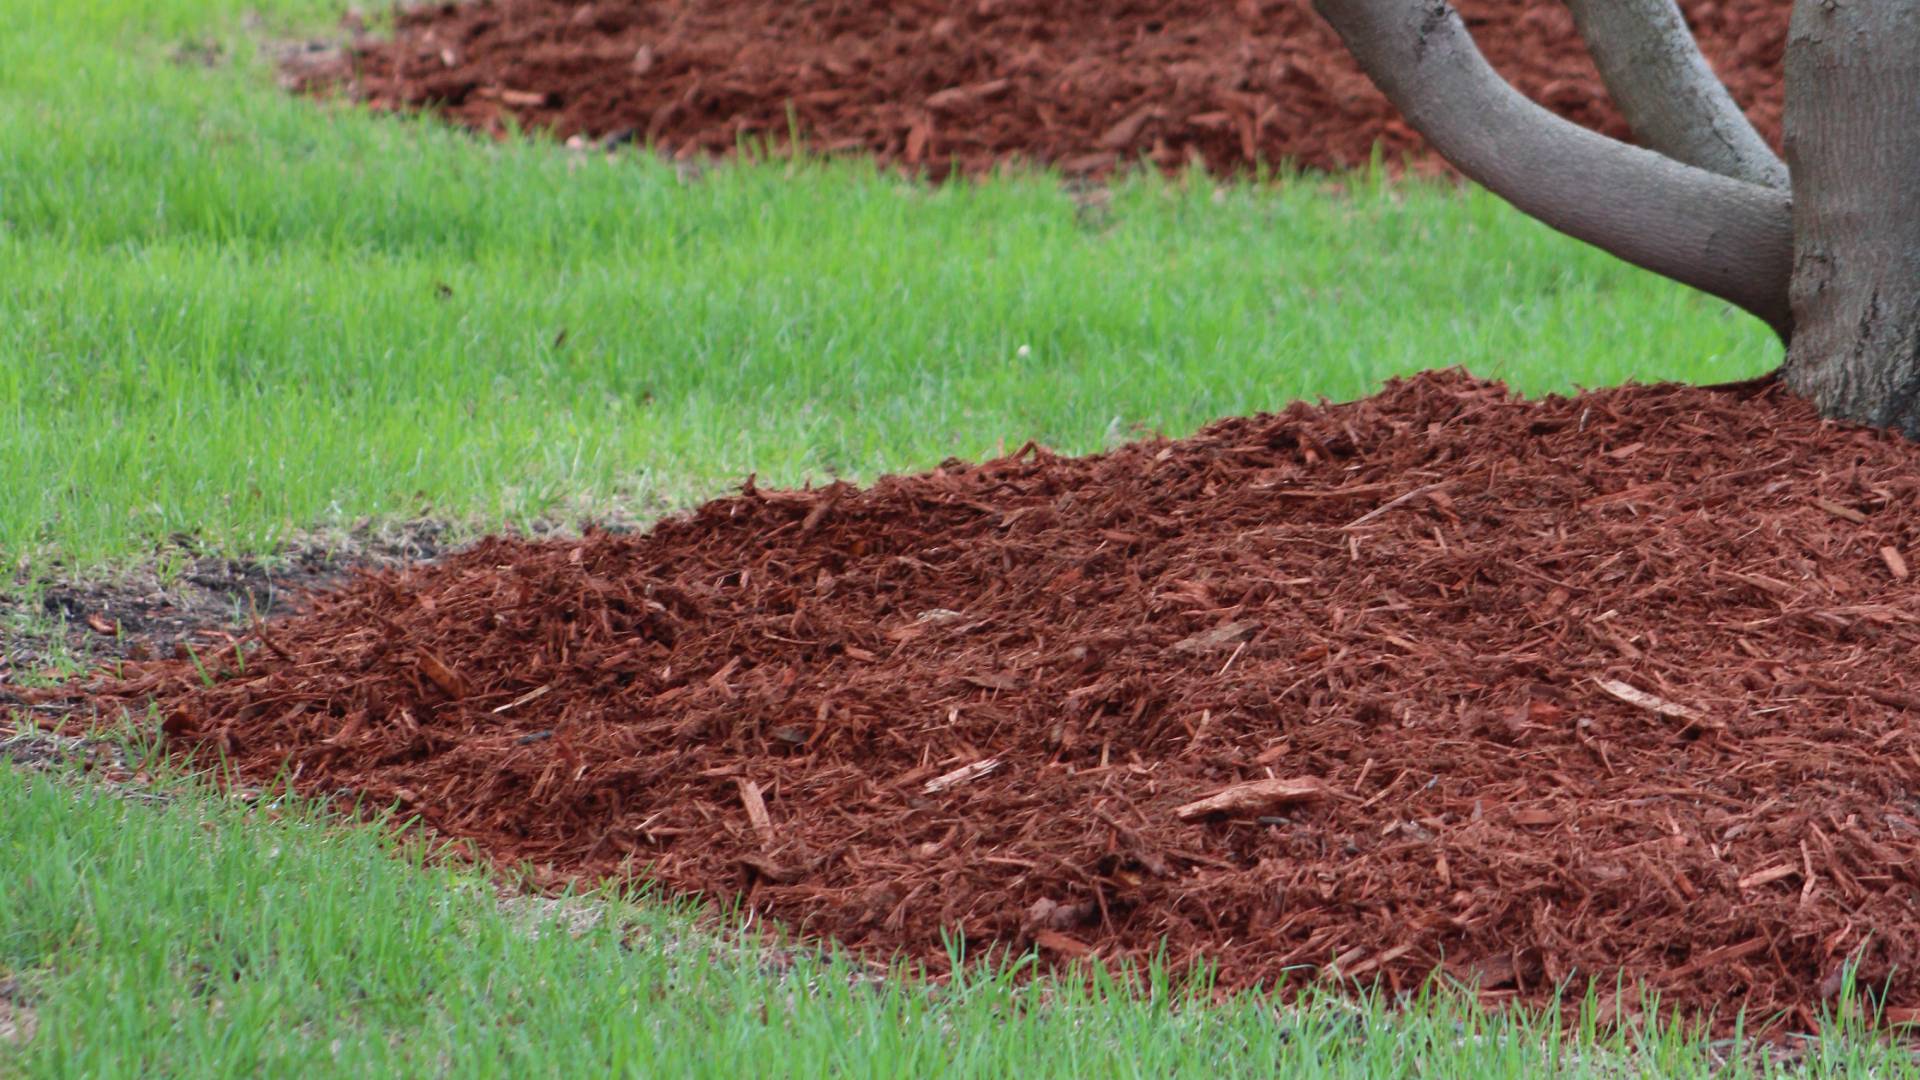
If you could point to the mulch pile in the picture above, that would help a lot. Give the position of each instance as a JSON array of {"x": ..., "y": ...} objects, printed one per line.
[
  {"x": 943, "y": 85},
  {"x": 1527, "y": 691}
]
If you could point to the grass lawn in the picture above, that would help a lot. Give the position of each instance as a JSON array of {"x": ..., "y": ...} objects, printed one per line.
[
  {"x": 234, "y": 315},
  {"x": 228, "y": 313},
  {"x": 197, "y": 938},
  {"x": 204, "y": 937}
]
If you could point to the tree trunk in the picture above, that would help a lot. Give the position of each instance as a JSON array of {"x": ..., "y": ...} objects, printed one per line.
[
  {"x": 1670, "y": 96},
  {"x": 1724, "y": 236},
  {"x": 1853, "y": 152},
  {"x": 1835, "y": 267}
]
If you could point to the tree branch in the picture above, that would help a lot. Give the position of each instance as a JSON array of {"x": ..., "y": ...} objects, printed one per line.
[
  {"x": 1670, "y": 97},
  {"x": 1723, "y": 236}
]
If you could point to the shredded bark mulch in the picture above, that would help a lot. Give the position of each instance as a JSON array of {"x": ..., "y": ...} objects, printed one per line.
[
  {"x": 937, "y": 86},
  {"x": 1529, "y": 692}
]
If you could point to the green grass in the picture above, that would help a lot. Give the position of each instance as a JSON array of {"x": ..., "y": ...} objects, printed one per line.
[
  {"x": 228, "y": 313},
  {"x": 235, "y": 315},
  {"x": 204, "y": 938}
]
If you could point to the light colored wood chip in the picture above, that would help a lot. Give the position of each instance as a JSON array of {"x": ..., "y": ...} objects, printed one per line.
[
  {"x": 960, "y": 775},
  {"x": 1844, "y": 513},
  {"x": 956, "y": 96},
  {"x": 1640, "y": 699},
  {"x": 756, "y": 805},
  {"x": 1254, "y": 796},
  {"x": 1761, "y": 582},
  {"x": 530, "y": 695},
  {"x": 1217, "y": 638},
  {"x": 1896, "y": 563},
  {"x": 1377, "y": 960},
  {"x": 1772, "y": 873}
]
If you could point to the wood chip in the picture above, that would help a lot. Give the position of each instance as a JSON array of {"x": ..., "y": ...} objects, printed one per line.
[
  {"x": 1064, "y": 944},
  {"x": 1761, "y": 582},
  {"x": 1896, "y": 564},
  {"x": 777, "y": 872},
  {"x": 1640, "y": 699},
  {"x": 1772, "y": 873},
  {"x": 821, "y": 508},
  {"x": 959, "y": 96},
  {"x": 1217, "y": 638},
  {"x": 1902, "y": 1016},
  {"x": 102, "y": 625},
  {"x": 1845, "y": 513},
  {"x": 756, "y": 805},
  {"x": 960, "y": 776},
  {"x": 1726, "y": 955},
  {"x": 1254, "y": 796},
  {"x": 443, "y": 676},
  {"x": 1272, "y": 754},
  {"x": 1128, "y": 128},
  {"x": 1378, "y": 960}
]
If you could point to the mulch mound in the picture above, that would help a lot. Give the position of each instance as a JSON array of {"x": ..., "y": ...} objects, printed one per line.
[
  {"x": 1531, "y": 692},
  {"x": 943, "y": 85}
]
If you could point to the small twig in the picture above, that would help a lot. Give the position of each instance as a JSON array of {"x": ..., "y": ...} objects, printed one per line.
[
  {"x": 524, "y": 698},
  {"x": 1237, "y": 650},
  {"x": 1395, "y": 501}
]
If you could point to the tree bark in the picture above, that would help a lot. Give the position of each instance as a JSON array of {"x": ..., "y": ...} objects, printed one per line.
[
  {"x": 1853, "y": 149},
  {"x": 1724, "y": 236},
  {"x": 1671, "y": 98}
]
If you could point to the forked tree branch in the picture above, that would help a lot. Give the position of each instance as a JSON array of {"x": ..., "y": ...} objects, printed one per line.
[
  {"x": 1670, "y": 97},
  {"x": 1726, "y": 237}
]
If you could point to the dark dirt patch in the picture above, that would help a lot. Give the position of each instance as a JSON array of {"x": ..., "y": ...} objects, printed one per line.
[
  {"x": 1612, "y": 685},
  {"x": 945, "y": 85},
  {"x": 144, "y": 612}
]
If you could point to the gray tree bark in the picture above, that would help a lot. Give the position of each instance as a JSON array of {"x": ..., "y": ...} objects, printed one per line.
[
  {"x": 1670, "y": 96},
  {"x": 1853, "y": 148},
  {"x": 1727, "y": 237}
]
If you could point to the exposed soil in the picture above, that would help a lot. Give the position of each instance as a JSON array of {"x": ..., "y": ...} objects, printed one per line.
[
  {"x": 940, "y": 85},
  {"x": 143, "y": 612},
  {"x": 1528, "y": 691}
]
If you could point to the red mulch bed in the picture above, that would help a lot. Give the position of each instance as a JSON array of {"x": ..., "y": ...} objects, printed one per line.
[
  {"x": 940, "y": 85},
  {"x": 1613, "y": 685}
]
